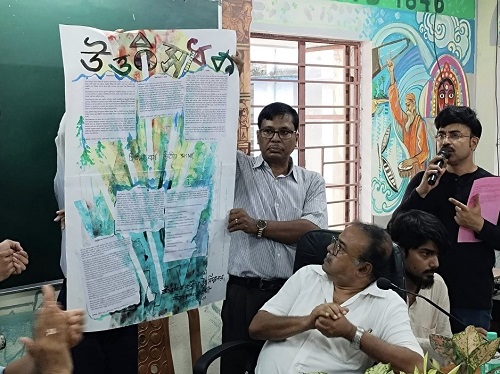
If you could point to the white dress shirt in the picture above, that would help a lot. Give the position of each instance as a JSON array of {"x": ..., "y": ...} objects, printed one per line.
[{"x": 385, "y": 312}]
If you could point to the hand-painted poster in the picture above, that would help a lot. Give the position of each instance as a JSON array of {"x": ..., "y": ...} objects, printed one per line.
[{"x": 150, "y": 122}]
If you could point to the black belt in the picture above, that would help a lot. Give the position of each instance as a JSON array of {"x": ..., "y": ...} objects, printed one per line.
[{"x": 262, "y": 284}]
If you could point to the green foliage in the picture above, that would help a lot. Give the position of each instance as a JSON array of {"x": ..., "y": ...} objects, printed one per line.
[
  {"x": 85, "y": 158},
  {"x": 379, "y": 369},
  {"x": 467, "y": 347},
  {"x": 386, "y": 369},
  {"x": 468, "y": 350}
]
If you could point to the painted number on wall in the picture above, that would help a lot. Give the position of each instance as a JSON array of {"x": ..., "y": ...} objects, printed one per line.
[
  {"x": 412, "y": 4},
  {"x": 455, "y": 8}
]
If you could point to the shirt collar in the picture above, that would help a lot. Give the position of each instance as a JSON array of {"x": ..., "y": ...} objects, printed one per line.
[
  {"x": 372, "y": 289},
  {"x": 260, "y": 162}
]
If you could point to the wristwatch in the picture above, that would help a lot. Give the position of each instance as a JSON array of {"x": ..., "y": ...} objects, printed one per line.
[
  {"x": 261, "y": 225},
  {"x": 356, "y": 341}
]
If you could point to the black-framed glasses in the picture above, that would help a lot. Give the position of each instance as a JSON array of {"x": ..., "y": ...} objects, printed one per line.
[
  {"x": 282, "y": 133},
  {"x": 337, "y": 248},
  {"x": 453, "y": 136}
]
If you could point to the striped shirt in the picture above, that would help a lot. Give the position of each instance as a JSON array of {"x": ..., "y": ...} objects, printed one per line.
[{"x": 298, "y": 195}]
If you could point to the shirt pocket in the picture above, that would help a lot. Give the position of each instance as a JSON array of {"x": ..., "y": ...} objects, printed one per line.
[{"x": 423, "y": 331}]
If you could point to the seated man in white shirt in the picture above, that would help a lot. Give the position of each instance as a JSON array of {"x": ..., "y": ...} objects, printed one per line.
[
  {"x": 332, "y": 318},
  {"x": 423, "y": 238}
]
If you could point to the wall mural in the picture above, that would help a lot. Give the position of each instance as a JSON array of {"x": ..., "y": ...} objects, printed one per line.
[
  {"x": 422, "y": 56},
  {"x": 419, "y": 64}
]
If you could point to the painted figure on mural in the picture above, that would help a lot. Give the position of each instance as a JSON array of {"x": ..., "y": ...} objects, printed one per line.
[
  {"x": 445, "y": 89},
  {"x": 447, "y": 86},
  {"x": 243, "y": 120},
  {"x": 446, "y": 92},
  {"x": 237, "y": 16},
  {"x": 412, "y": 126}
]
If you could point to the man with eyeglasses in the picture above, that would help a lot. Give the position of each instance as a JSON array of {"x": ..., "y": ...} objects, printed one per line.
[
  {"x": 466, "y": 268},
  {"x": 275, "y": 203},
  {"x": 332, "y": 318}
]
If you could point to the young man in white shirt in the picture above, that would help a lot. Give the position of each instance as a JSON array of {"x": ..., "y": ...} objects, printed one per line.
[{"x": 423, "y": 239}]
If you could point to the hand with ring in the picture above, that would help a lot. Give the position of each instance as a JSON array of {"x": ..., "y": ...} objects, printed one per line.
[
  {"x": 51, "y": 331},
  {"x": 49, "y": 348},
  {"x": 239, "y": 220}
]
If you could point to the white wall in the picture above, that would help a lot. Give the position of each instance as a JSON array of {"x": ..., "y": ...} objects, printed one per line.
[{"x": 486, "y": 49}]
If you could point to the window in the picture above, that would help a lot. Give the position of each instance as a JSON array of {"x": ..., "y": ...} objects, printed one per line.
[{"x": 320, "y": 78}]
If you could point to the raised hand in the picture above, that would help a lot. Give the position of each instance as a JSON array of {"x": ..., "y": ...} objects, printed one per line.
[
  {"x": 468, "y": 216},
  {"x": 49, "y": 347},
  {"x": 424, "y": 187},
  {"x": 75, "y": 320}
]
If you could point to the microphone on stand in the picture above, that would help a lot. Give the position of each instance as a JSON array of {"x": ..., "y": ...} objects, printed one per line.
[
  {"x": 386, "y": 284},
  {"x": 442, "y": 152}
]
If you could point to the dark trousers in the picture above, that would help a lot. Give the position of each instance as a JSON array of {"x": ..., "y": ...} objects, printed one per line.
[
  {"x": 105, "y": 352},
  {"x": 241, "y": 305}
]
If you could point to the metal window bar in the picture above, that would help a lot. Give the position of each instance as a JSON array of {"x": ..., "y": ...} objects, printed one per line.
[{"x": 347, "y": 114}]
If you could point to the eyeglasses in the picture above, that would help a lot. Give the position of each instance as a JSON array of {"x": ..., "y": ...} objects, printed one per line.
[
  {"x": 453, "y": 136},
  {"x": 337, "y": 248},
  {"x": 282, "y": 133}
]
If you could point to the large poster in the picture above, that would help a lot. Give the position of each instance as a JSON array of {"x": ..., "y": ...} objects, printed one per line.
[{"x": 151, "y": 121}]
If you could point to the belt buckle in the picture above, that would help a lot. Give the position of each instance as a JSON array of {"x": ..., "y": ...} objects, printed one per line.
[
  {"x": 262, "y": 284},
  {"x": 268, "y": 285}
]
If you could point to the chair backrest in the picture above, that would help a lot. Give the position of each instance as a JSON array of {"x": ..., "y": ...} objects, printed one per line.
[
  {"x": 311, "y": 250},
  {"x": 311, "y": 247}
]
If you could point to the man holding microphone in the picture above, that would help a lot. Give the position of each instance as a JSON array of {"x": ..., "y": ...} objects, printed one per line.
[{"x": 466, "y": 268}]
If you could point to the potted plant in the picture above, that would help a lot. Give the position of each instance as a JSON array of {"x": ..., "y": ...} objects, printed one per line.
[
  {"x": 467, "y": 350},
  {"x": 434, "y": 369}
]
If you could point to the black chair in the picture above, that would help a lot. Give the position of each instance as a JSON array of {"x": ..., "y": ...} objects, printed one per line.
[
  {"x": 206, "y": 359},
  {"x": 311, "y": 250}
]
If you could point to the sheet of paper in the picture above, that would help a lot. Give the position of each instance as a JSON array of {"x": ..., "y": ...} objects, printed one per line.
[
  {"x": 489, "y": 197},
  {"x": 140, "y": 209},
  {"x": 110, "y": 281},
  {"x": 151, "y": 124}
]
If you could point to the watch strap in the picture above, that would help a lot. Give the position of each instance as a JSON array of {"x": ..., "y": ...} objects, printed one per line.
[
  {"x": 260, "y": 232},
  {"x": 356, "y": 341},
  {"x": 261, "y": 225}
]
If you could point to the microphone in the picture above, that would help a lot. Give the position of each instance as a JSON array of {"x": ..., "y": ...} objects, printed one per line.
[
  {"x": 386, "y": 284},
  {"x": 442, "y": 152}
]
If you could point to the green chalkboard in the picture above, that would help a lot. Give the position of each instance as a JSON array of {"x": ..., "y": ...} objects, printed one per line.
[{"x": 32, "y": 104}]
